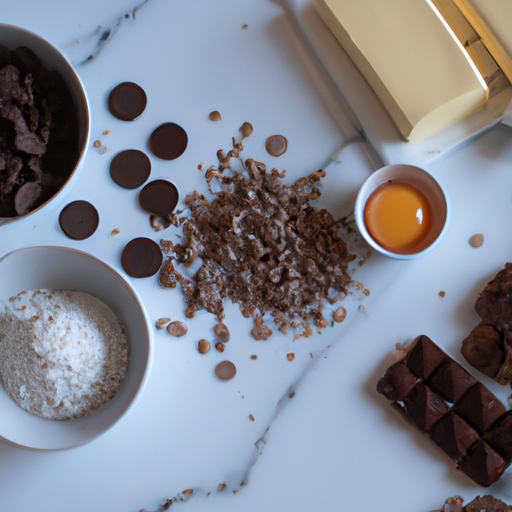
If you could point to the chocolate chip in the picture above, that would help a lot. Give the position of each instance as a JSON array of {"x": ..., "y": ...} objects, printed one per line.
[
  {"x": 225, "y": 370},
  {"x": 159, "y": 197},
  {"x": 276, "y": 145},
  {"x": 168, "y": 141},
  {"x": 141, "y": 257},
  {"x": 79, "y": 220},
  {"x": 130, "y": 168},
  {"x": 127, "y": 101}
]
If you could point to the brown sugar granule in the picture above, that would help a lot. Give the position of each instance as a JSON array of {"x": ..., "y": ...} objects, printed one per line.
[
  {"x": 261, "y": 244},
  {"x": 290, "y": 356},
  {"x": 215, "y": 115},
  {"x": 254, "y": 357},
  {"x": 476, "y": 240},
  {"x": 245, "y": 26},
  {"x": 203, "y": 346},
  {"x": 115, "y": 231},
  {"x": 97, "y": 144},
  {"x": 251, "y": 417}
]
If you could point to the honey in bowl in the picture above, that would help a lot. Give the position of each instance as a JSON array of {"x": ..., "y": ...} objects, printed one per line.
[{"x": 398, "y": 216}]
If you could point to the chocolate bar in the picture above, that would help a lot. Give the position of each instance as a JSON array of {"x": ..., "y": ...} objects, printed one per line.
[{"x": 453, "y": 409}]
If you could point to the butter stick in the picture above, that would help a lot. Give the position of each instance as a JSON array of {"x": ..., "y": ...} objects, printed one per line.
[{"x": 413, "y": 61}]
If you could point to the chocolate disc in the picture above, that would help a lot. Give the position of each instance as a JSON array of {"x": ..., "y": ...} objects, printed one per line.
[
  {"x": 225, "y": 370},
  {"x": 130, "y": 168},
  {"x": 79, "y": 220},
  {"x": 159, "y": 197},
  {"x": 276, "y": 145},
  {"x": 168, "y": 141},
  {"x": 141, "y": 257},
  {"x": 127, "y": 101}
]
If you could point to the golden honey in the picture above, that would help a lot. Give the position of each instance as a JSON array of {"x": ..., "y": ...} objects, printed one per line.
[{"x": 398, "y": 217}]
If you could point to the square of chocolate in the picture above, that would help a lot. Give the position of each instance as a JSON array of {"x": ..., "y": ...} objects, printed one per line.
[
  {"x": 451, "y": 380},
  {"x": 499, "y": 436},
  {"x": 397, "y": 382},
  {"x": 424, "y": 357},
  {"x": 483, "y": 464},
  {"x": 424, "y": 406},
  {"x": 479, "y": 407},
  {"x": 453, "y": 435}
]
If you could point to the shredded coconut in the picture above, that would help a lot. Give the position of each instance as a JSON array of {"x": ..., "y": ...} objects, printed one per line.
[{"x": 63, "y": 353}]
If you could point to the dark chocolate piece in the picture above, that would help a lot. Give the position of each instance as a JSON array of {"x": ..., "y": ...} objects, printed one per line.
[
  {"x": 451, "y": 381},
  {"x": 483, "y": 349},
  {"x": 127, "y": 101},
  {"x": 397, "y": 382},
  {"x": 79, "y": 220},
  {"x": 141, "y": 257},
  {"x": 424, "y": 357},
  {"x": 424, "y": 406},
  {"x": 159, "y": 197},
  {"x": 479, "y": 407},
  {"x": 130, "y": 168},
  {"x": 453, "y": 435},
  {"x": 168, "y": 141},
  {"x": 499, "y": 436},
  {"x": 482, "y": 464}
]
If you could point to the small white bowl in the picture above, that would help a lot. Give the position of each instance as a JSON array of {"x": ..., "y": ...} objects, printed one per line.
[
  {"x": 62, "y": 268},
  {"x": 425, "y": 183},
  {"x": 12, "y": 37}
]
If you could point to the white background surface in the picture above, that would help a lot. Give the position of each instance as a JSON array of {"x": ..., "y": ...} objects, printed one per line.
[{"x": 336, "y": 445}]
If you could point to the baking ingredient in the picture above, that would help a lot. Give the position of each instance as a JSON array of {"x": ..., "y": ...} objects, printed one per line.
[
  {"x": 203, "y": 346},
  {"x": 159, "y": 197},
  {"x": 79, "y": 220},
  {"x": 398, "y": 217},
  {"x": 276, "y": 145},
  {"x": 215, "y": 115},
  {"x": 222, "y": 332},
  {"x": 130, "y": 168},
  {"x": 488, "y": 347},
  {"x": 177, "y": 329},
  {"x": 261, "y": 243},
  {"x": 417, "y": 67},
  {"x": 486, "y": 503},
  {"x": 168, "y": 141},
  {"x": 63, "y": 353},
  {"x": 162, "y": 323},
  {"x": 39, "y": 132},
  {"x": 141, "y": 257},
  {"x": 450, "y": 406},
  {"x": 476, "y": 240},
  {"x": 225, "y": 370},
  {"x": 127, "y": 101}
]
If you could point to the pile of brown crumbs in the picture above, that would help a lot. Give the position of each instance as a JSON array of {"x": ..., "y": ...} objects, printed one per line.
[{"x": 262, "y": 245}]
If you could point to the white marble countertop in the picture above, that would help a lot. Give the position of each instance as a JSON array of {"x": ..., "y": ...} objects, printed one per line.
[{"x": 321, "y": 439}]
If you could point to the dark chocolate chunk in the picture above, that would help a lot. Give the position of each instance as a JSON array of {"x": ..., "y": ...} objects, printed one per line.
[
  {"x": 499, "y": 436},
  {"x": 453, "y": 435},
  {"x": 27, "y": 196},
  {"x": 127, "y": 101},
  {"x": 424, "y": 406},
  {"x": 130, "y": 168},
  {"x": 159, "y": 197},
  {"x": 479, "y": 407},
  {"x": 79, "y": 220},
  {"x": 483, "y": 349},
  {"x": 168, "y": 141},
  {"x": 141, "y": 257},
  {"x": 487, "y": 503},
  {"x": 494, "y": 303},
  {"x": 397, "y": 382},
  {"x": 424, "y": 357},
  {"x": 451, "y": 381},
  {"x": 482, "y": 464}
]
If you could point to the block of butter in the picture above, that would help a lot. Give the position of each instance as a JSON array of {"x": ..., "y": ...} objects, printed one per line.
[
  {"x": 492, "y": 20},
  {"x": 411, "y": 58}
]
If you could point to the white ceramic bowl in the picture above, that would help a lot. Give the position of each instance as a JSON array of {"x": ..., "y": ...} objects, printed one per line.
[
  {"x": 424, "y": 182},
  {"x": 62, "y": 268},
  {"x": 12, "y": 37}
]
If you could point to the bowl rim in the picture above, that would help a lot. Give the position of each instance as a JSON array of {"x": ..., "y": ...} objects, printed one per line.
[{"x": 143, "y": 379}]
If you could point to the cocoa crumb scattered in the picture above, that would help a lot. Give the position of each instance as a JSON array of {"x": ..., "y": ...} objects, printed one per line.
[
  {"x": 339, "y": 315},
  {"x": 221, "y": 486},
  {"x": 251, "y": 417},
  {"x": 97, "y": 144},
  {"x": 290, "y": 356},
  {"x": 261, "y": 244},
  {"x": 115, "y": 231},
  {"x": 254, "y": 357},
  {"x": 220, "y": 347},
  {"x": 442, "y": 293}
]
